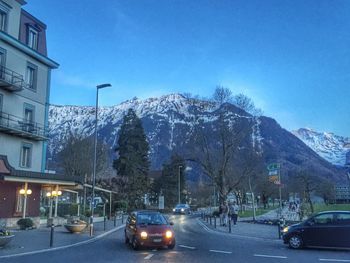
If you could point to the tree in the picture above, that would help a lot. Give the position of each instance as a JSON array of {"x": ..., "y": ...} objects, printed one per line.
[
  {"x": 245, "y": 103},
  {"x": 132, "y": 159},
  {"x": 222, "y": 95},
  {"x": 214, "y": 147},
  {"x": 168, "y": 182},
  {"x": 76, "y": 157}
]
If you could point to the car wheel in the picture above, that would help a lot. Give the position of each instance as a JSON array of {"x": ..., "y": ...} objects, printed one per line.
[
  {"x": 127, "y": 241},
  {"x": 134, "y": 244},
  {"x": 295, "y": 242},
  {"x": 172, "y": 245}
]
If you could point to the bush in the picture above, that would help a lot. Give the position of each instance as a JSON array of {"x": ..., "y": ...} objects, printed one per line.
[
  {"x": 25, "y": 223},
  {"x": 4, "y": 232}
]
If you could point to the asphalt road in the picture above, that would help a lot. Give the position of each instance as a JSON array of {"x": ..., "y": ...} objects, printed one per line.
[{"x": 195, "y": 243}]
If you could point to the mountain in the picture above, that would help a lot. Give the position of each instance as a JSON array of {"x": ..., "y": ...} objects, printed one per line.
[
  {"x": 329, "y": 146},
  {"x": 168, "y": 123}
]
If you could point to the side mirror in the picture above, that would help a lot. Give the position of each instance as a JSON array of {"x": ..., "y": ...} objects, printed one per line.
[
  {"x": 310, "y": 222},
  {"x": 171, "y": 223}
]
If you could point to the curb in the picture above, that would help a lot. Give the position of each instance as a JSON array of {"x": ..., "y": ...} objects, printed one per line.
[{"x": 66, "y": 246}]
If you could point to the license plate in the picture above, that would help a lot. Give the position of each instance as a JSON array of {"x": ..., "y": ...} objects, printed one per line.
[{"x": 157, "y": 240}]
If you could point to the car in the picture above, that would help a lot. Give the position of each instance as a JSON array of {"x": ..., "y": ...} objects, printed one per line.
[
  {"x": 149, "y": 229},
  {"x": 182, "y": 209},
  {"x": 330, "y": 229}
]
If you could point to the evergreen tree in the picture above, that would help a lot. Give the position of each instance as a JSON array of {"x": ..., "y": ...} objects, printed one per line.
[
  {"x": 170, "y": 179},
  {"x": 132, "y": 159}
]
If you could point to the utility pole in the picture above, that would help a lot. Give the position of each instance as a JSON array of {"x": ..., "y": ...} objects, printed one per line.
[{"x": 179, "y": 185}]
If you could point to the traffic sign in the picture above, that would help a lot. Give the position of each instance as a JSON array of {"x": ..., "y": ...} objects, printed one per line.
[{"x": 273, "y": 166}]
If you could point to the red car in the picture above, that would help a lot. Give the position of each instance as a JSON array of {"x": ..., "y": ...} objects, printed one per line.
[{"x": 149, "y": 229}]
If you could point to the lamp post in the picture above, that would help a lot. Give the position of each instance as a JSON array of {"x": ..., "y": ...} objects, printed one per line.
[
  {"x": 53, "y": 194},
  {"x": 98, "y": 87},
  {"x": 179, "y": 185},
  {"x": 25, "y": 191}
]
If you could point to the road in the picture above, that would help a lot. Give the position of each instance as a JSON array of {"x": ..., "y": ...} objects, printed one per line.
[{"x": 195, "y": 243}]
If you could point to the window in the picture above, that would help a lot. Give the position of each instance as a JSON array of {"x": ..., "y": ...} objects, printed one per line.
[
  {"x": 343, "y": 219},
  {"x": 1, "y": 102},
  {"x": 26, "y": 155},
  {"x": 31, "y": 76},
  {"x": 28, "y": 124},
  {"x": 3, "y": 20},
  {"x": 323, "y": 219},
  {"x": 32, "y": 38}
]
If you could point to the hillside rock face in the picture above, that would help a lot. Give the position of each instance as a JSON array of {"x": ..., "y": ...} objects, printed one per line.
[
  {"x": 329, "y": 146},
  {"x": 168, "y": 122}
]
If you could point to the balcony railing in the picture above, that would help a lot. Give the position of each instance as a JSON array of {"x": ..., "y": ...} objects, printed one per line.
[
  {"x": 11, "y": 80},
  {"x": 17, "y": 126}
]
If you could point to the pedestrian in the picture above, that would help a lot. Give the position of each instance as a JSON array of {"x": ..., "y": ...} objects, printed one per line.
[
  {"x": 234, "y": 208},
  {"x": 221, "y": 207},
  {"x": 225, "y": 211}
]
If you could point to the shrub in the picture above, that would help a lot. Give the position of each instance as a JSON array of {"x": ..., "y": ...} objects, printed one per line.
[
  {"x": 25, "y": 223},
  {"x": 4, "y": 232}
]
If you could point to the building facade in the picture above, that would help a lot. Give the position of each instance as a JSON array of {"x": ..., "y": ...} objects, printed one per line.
[{"x": 25, "y": 71}]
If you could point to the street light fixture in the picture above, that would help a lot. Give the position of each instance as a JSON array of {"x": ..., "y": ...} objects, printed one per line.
[
  {"x": 25, "y": 192},
  {"x": 179, "y": 184},
  {"x": 53, "y": 194},
  {"x": 98, "y": 87}
]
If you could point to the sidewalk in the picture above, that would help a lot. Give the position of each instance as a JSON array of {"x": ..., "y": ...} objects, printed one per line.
[
  {"x": 245, "y": 226},
  {"x": 245, "y": 229},
  {"x": 39, "y": 239}
]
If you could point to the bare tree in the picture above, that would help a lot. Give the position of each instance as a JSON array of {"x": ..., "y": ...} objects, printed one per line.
[{"x": 222, "y": 95}]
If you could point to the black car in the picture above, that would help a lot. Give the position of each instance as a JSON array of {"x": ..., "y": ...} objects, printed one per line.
[
  {"x": 329, "y": 229},
  {"x": 149, "y": 229},
  {"x": 182, "y": 209}
]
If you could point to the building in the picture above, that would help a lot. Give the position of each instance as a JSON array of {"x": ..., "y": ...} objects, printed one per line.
[{"x": 25, "y": 71}]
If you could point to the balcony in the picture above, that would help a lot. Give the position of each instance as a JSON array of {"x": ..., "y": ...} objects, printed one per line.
[
  {"x": 20, "y": 127},
  {"x": 11, "y": 80}
]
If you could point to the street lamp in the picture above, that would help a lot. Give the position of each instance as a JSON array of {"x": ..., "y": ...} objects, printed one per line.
[
  {"x": 179, "y": 184},
  {"x": 98, "y": 87},
  {"x": 53, "y": 194},
  {"x": 25, "y": 192}
]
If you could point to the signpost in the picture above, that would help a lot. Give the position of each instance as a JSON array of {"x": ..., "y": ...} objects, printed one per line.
[
  {"x": 161, "y": 202},
  {"x": 274, "y": 170}
]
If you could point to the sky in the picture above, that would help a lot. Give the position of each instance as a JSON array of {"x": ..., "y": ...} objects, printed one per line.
[{"x": 292, "y": 57}]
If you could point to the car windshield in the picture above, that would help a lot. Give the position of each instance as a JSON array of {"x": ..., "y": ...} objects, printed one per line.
[
  {"x": 181, "y": 206},
  {"x": 151, "y": 219}
]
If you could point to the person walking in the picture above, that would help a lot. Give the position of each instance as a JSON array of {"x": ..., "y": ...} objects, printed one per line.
[
  {"x": 234, "y": 208},
  {"x": 225, "y": 211}
]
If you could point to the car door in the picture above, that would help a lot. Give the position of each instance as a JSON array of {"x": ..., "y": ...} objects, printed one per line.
[
  {"x": 342, "y": 230},
  {"x": 318, "y": 231}
]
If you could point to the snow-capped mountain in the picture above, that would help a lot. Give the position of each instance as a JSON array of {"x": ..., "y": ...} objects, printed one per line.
[
  {"x": 329, "y": 146},
  {"x": 168, "y": 122}
]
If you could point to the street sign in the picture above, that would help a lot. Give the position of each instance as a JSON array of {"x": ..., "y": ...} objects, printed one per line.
[
  {"x": 273, "y": 178},
  {"x": 273, "y": 166},
  {"x": 273, "y": 172}
]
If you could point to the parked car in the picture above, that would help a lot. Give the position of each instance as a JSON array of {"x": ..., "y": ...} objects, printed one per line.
[
  {"x": 326, "y": 229},
  {"x": 182, "y": 209},
  {"x": 149, "y": 229}
]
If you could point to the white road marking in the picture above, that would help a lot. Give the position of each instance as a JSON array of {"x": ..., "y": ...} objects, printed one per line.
[
  {"x": 149, "y": 256},
  {"x": 186, "y": 247},
  {"x": 268, "y": 256},
  {"x": 220, "y": 251},
  {"x": 334, "y": 260}
]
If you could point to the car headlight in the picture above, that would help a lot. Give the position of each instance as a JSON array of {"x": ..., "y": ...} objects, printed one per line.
[
  {"x": 168, "y": 234},
  {"x": 143, "y": 235},
  {"x": 173, "y": 209},
  {"x": 182, "y": 209},
  {"x": 285, "y": 230}
]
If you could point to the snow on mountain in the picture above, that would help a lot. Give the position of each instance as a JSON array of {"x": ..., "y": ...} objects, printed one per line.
[
  {"x": 173, "y": 111},
  {"x": 329, "y": 146}
]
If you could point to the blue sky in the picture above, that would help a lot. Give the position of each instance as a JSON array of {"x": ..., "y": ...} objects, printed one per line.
[{"x": 291, "y": 57}]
